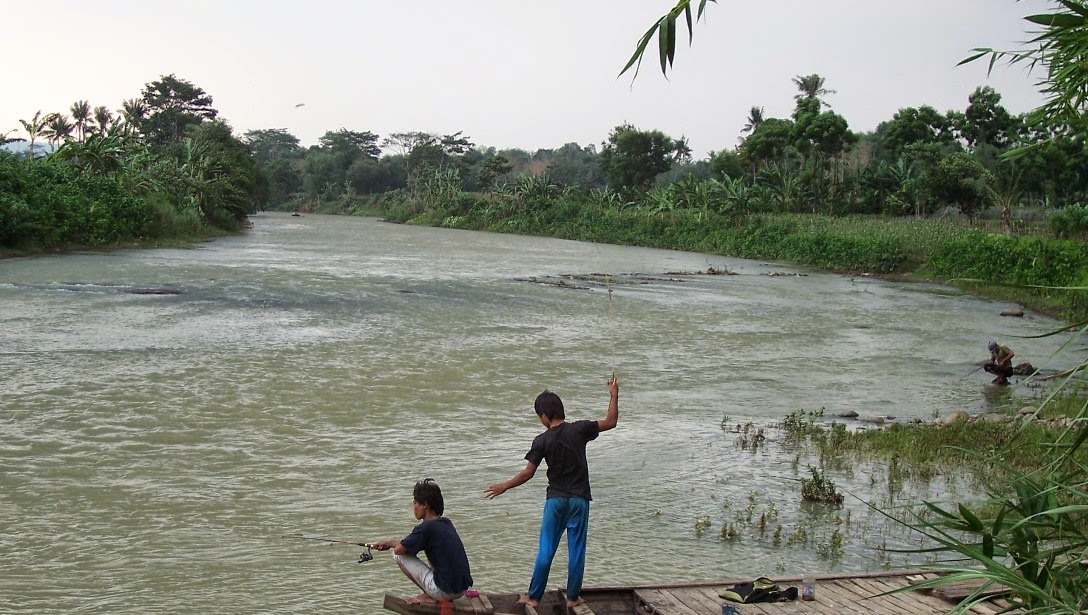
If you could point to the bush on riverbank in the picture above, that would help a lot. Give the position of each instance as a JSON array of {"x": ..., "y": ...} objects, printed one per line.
[
  {"x": 52, "y": 207},
  {"x": 49, "y": 206}
]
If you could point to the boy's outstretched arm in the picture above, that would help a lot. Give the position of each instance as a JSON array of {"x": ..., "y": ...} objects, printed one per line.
[
  {"x": 520, "y": 478},
  {"x": 393, "y": 544},
  {"x": 613, "y": 415}
]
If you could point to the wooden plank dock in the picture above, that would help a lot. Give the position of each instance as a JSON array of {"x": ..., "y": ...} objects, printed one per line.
[{"x": 854, "y": 593}]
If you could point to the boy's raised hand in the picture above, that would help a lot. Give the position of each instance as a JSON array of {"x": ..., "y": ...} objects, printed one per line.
[{"x": 613, "y": 414}]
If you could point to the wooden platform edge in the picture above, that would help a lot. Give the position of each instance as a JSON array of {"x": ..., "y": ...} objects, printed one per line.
[{"x": 581, "y": 609}]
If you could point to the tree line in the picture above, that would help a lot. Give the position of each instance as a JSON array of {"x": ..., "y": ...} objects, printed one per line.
[
  {"x": 912, "y": 164},
  {"x": 174, "y": 167},
  {"x": 167, "y": 164}
]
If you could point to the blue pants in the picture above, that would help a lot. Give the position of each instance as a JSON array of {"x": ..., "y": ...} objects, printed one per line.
[{"x": 572, "y": 515}]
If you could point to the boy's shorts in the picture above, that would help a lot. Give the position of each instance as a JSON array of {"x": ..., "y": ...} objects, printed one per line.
[{"x": 422, "y": 574}]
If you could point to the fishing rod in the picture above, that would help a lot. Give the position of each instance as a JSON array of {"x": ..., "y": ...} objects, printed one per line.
[
  {"x": 365, "y": 556},
  {"x": 973, "y": 371}
]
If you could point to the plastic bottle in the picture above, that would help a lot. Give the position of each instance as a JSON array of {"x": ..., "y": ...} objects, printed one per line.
[{"x": 808, "y": 589}]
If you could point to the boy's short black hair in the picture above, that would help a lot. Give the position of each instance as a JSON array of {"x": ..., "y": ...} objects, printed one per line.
[
  {"x": 428, "y": 493},
  {"x": 548, "y": 404}
]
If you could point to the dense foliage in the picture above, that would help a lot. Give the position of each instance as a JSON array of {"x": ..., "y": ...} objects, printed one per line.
[
  {"x": 54, "y": 206},
  {"x": 163, "y": 167}
]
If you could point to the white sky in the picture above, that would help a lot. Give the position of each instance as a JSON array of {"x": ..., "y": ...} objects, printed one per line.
[{"x": 507, "y": 73}]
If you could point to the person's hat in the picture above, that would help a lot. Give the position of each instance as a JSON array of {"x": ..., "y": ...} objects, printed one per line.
[{"x": 992, "y": 345}]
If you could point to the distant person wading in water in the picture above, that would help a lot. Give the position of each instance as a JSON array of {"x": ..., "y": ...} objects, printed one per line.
[
  {"x": 563, "y": 447},
  {"x": 1000, "y": 363}
]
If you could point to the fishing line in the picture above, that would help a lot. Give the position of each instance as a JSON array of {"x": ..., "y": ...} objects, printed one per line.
[
  {"x": 611, "y": 309},
  {"x": 611, "y": 321}
]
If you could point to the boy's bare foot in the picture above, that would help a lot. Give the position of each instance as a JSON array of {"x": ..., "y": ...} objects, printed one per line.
[
  {"x": 573, "y": 603},
  {"x": 527, "y": 600},
  {"x": 421, "y": 599}
]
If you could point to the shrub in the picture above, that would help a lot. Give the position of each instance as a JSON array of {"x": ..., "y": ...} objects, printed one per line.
[
  {"x": 1070, "y": 222},
  {"x": 819, "y": 488}
]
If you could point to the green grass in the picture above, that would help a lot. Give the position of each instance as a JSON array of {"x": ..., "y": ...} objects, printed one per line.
[{"x": 921, "y": 449}]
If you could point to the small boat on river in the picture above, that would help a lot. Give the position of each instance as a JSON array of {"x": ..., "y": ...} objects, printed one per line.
[{"x": 856, "y": 593}]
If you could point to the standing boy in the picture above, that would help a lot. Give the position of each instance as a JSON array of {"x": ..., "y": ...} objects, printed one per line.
[
  {"x": 563, "y": 447},
  {"x": 436, "y": 536}
]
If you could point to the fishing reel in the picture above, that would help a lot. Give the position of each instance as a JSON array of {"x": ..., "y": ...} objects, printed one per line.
[{"x": 365, "y": 556}]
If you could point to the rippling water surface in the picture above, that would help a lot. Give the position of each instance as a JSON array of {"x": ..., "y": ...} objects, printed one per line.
[{"x": 168, "y": 415}]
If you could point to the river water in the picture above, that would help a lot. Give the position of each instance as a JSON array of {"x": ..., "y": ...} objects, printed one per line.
[{"x": 169, "y": 415}]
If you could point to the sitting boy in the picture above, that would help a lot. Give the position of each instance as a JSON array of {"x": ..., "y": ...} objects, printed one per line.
[{"x": 448, "y": 576}]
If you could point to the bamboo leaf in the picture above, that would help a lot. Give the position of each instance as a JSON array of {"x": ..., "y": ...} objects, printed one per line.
[
  {"x": 973, "y": 522},
  {"x": 663, "y": 43},
  {"x": 998, "y": 522},
  {"x": 691, "y": 30},
  {"x": 1076, "y": 7},
  {"x": 978, "y": 54},
  {"x": 1057, "y": 20},
  {"x": 665, "y": 30},
  {"x": 640, "y": 49},
  {"x": 702, "y": 7},
  {"x": 940, "y": 511},
  {"x": 672, "y": 41}
]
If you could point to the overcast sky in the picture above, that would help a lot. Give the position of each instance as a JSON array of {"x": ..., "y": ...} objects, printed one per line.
[{"x": 507, "y": 73}]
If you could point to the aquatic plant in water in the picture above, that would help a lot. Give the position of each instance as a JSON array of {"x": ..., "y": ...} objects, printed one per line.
[{"x": 819, "y": 488}]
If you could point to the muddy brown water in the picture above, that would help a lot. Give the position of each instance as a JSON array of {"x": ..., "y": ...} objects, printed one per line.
[{"x": 169, "y": 415}]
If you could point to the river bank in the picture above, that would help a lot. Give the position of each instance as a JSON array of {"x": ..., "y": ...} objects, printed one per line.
[{"x": 139, "y": 244}]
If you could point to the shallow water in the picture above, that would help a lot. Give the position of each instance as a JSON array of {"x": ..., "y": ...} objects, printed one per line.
[{"x": 168, "y": 415}]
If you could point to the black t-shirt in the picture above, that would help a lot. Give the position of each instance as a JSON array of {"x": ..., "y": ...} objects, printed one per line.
[
  {"x": 445, "y": 552},
  {"x": 564, "y": 448}
]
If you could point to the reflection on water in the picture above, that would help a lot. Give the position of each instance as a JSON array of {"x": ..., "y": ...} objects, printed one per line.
[{"x": 168, "y": 415}]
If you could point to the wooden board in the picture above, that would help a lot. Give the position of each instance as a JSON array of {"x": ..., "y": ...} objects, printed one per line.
[{"x": 959, "y": 591}]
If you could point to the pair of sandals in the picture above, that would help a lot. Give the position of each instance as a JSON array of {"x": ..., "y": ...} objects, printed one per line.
[{"x": 760, "y": 590}]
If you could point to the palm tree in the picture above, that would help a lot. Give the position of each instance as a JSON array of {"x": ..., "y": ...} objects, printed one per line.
[
  {"x": 755, "y": 118},
  {"x": 58, "y": 128},
  {"x": 4, "y": 138},
  {"x": 34, "y": 129},
  {"x": 811, "y": 86},
  {"x": 81, "y": 114},
  {"x": 104, "y": 118},
  {"x": 133, "y": 111}
]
